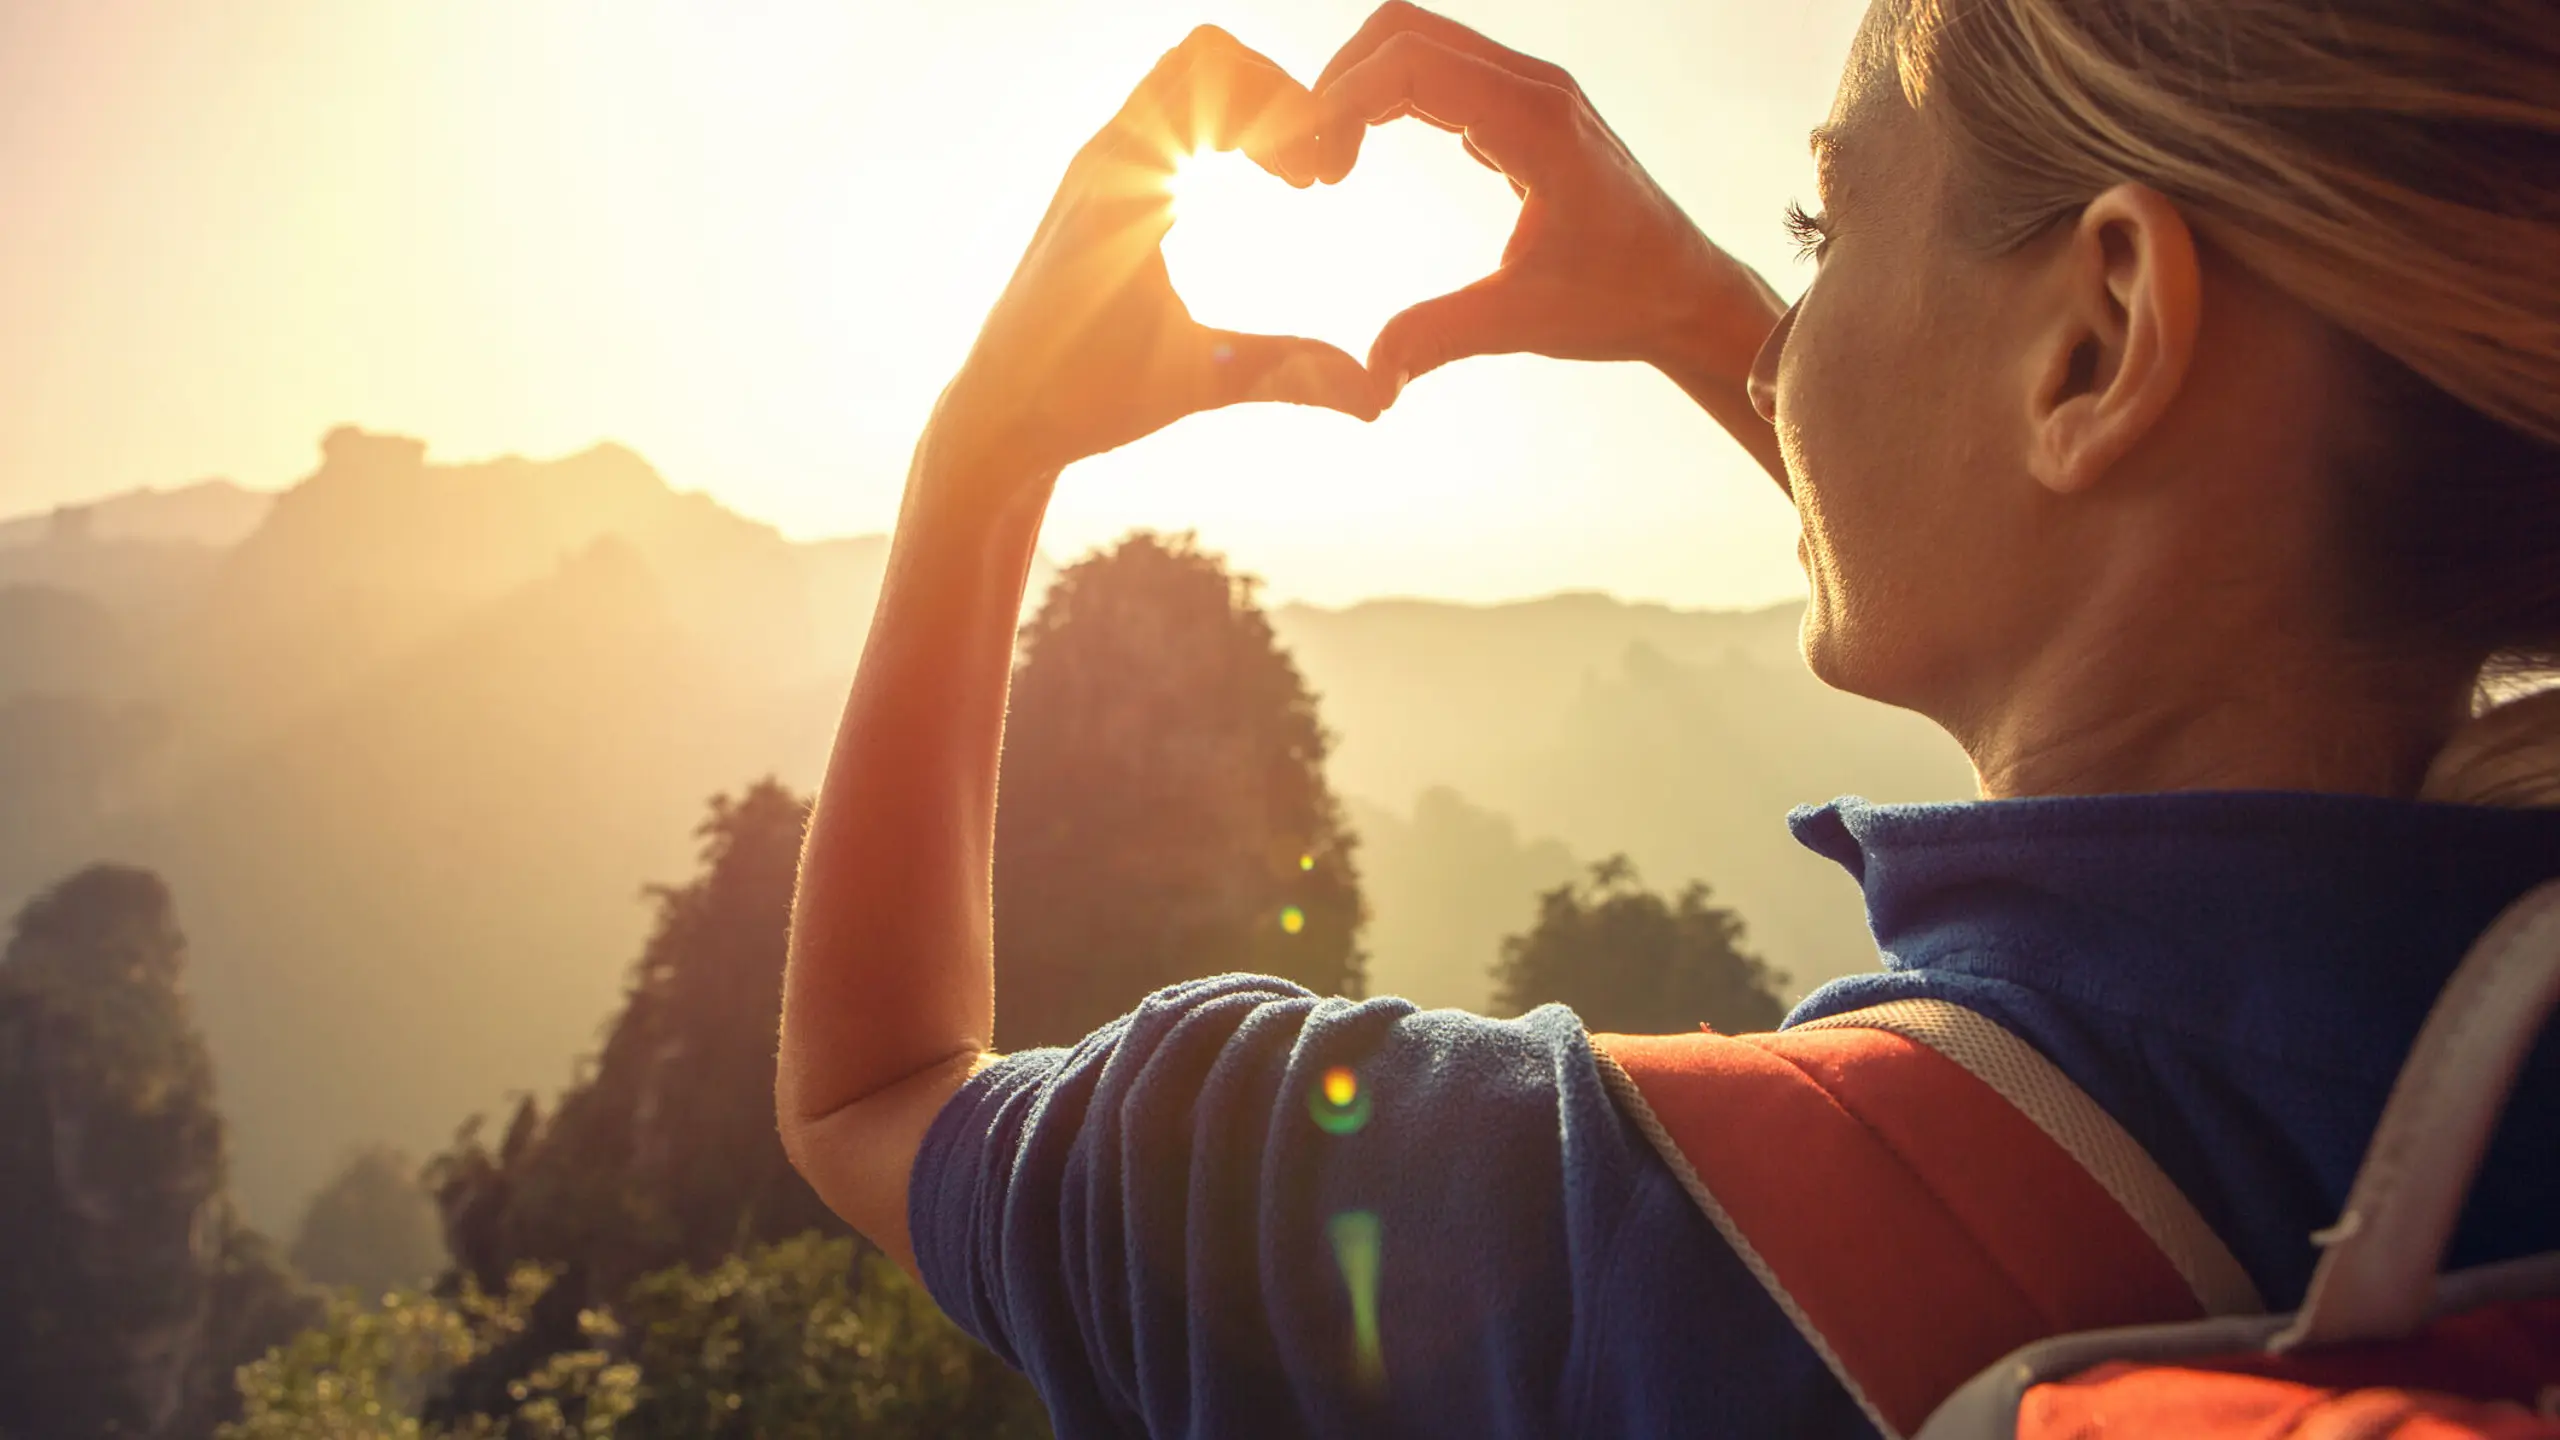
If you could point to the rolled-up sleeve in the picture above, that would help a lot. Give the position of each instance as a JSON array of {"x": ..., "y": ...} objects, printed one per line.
[{"x": 1244, "y": 1210}]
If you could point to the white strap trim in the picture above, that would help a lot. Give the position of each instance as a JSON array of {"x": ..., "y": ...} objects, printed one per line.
[
  {"x": 2039, "y": 1090},
  {"x": 1631, "y": 1103},
  {"x": 2378, "y": 1279}
]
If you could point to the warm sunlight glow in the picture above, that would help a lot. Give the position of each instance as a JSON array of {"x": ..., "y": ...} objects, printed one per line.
[
  {"x": 1334, "y": 261},
  {"x": 524, "y": 229}
]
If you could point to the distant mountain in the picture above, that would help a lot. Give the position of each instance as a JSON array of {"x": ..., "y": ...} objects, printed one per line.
[
  {"x": 1680, "y": 737},
  {"x": 1446, "y": 885},
  {"x": 421, "y": 895},
  {"x": 144, "y": 552},
  {"x": 214, "y": 513},
  {"x": 408, "y": 751}
]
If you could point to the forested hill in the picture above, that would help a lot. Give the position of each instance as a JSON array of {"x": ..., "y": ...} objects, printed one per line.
[
  {"x": 1678, "y": 737},
  {"x": 407, "y": 741}
]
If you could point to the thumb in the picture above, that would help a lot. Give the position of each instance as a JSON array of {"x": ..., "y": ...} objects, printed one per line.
[
  {"x": 1489, "y": 317},
  {"x": 1239, "y": 368}
]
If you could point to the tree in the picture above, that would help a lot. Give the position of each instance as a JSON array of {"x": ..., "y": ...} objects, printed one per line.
[
  {"x": 367, "y": 1372},
  {"x": 806, "y": 1339},
  {"x": 657, "y": 1190},
  {"x": 1164, "y": 809},
  {"x": 666, "y": 1154},
  {"x": 372, "y": 1228},
  {"x": 132, "y": 1287},
  {"x": 1628, "y": 961},
  {"x": 1448, "y": 883},
  {"x": 811, "y": 1339}
]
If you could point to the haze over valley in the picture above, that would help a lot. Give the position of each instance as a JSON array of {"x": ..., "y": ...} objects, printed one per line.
[{"x": 407, "y": 740}]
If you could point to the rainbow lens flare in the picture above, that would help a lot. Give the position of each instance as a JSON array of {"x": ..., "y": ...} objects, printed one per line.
[
  {"x": 1292, "y": 919},
  {"x": 1306, "y": 862},
  {"x": 1338, "y": 1104},
  {"x": 1356, "y": 1236}
]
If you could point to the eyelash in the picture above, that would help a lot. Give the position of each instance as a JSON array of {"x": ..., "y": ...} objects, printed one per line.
[{"x": 1808, "y": 232}]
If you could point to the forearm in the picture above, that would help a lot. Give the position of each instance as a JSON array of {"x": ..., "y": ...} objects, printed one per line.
[
  {"x": 1709, "y": 352},
  {"x": 890, "y": 974}
]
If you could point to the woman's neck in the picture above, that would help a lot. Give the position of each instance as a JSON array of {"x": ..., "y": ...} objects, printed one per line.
[{"x": 2212, "y": 713}]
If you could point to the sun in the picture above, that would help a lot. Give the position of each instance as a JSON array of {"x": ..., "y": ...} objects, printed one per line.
[
  {"x": 1248, "y": 252},
  {"x": 1203, "y": 179}
]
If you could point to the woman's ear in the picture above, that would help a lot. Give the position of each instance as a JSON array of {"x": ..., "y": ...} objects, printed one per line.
[{"x": 2129, "y": 300}]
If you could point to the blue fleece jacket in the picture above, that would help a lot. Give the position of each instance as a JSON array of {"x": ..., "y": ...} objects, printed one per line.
[{"x": 1151, "y": 1223}]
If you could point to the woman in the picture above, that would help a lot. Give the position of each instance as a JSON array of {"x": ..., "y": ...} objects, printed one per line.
[{"x": 2175, "y": 419}]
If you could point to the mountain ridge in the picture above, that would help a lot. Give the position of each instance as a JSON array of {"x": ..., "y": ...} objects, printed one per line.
[{"x": 409, "y": 751}]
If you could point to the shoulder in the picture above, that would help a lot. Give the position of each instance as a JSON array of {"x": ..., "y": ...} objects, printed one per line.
[{"x": 1218, "y": 1167}]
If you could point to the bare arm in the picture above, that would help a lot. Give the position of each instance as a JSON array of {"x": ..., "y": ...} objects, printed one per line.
[
  {"x": 888, "y": 1002},
  {"x": 1602, "y": 265}
]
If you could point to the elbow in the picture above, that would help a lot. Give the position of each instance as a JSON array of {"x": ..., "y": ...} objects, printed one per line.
[{"x": 860, "y": 1155}]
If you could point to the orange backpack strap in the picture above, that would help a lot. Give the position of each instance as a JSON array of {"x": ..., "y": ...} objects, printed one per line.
[{"x": 1921, "y": 1192}]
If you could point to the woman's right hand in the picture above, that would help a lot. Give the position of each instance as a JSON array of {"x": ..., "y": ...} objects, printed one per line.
[
  {"x": 1602, "y": 265},
  {"x": 1089, "y": 347}
]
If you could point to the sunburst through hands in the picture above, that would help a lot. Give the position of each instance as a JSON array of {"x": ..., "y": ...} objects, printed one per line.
[{"x": 1333, "y": 262}]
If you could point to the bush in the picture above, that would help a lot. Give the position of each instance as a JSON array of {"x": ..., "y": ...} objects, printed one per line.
[
  {"x": 794, "y": 1341},
  {"x": 798, "y": 1341},
  {"x": 368, "y": 1373}
]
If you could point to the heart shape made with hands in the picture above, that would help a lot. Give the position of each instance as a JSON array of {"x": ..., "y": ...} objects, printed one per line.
[{"x": 1414, "y": 219}]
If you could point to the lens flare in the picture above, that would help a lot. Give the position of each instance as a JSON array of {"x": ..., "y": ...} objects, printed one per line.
[
  {"x": 1338, "y": 1104},
  {"x": 1306, "y": 862},
  {"x": 1292, "y": 919},
  {"x": 1356, "y": 1237}
]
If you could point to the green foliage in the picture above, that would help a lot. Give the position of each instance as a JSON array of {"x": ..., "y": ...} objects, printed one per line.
[
  {"x": 1630, "y": 962},
  {"x": 798, "y": 1342},
  {"x": 665, "y": 1159},
  {"x": 372, "y": 1228},
  {"x": 1166, "y": 813},
  {"x": 666, "y": 1154},
  {"x": 367, "y": 1373},
  {"x": 795, "y": 1341}
]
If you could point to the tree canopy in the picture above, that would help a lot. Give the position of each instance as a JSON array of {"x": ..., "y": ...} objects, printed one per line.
[
  {"x": 1164, "y": 811},
  {"x": 665, "y": 1154},
  {"x": 372, "y": 1228},
  {"x": 663, "y": 1162},
  {"x": 1630, "y": 961},
  {"x": 131, "y": 1288},
  {"x": 806, "y": 1340}
]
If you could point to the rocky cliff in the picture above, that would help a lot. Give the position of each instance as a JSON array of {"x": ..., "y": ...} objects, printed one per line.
[{"x": 133, "y": 1289}]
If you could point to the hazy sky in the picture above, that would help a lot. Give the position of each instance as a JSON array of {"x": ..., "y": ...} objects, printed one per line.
[{"x": 751, "y": 240}]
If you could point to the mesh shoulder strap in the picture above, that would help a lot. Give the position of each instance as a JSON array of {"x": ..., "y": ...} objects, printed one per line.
[{"x": 1920, "y": 1192}]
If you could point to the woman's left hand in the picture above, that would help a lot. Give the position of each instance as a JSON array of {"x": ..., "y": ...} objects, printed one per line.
[
  {"x": 1089, "y": 347},
  {"x": 1602, "y": 264}
]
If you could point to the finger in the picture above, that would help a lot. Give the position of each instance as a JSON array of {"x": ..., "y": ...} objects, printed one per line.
[
  {"x": 1518, "y": 123},
  {"x": 1339, "y": 148},
  {"x": 1211, "y": 92},
  {"x": 1239, "y": 368},
  {"x": 1493, "y": 316},
  {"x": 1481, "y": 158},
  {"x": 1398, "y": 18}
]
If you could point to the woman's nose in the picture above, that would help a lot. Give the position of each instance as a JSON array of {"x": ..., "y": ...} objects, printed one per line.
[{"x": 1763, "y": 384}]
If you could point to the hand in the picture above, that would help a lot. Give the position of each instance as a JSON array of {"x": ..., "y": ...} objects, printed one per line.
[
  {"x": 1601, "y": 266},
  {"x": 1089, "y": 348}
]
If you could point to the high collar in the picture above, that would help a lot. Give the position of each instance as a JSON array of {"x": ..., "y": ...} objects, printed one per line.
[{"x": 2312, "y": 928}]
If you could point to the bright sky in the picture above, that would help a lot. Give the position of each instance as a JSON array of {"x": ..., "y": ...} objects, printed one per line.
[{"x": 752, "y": 239}]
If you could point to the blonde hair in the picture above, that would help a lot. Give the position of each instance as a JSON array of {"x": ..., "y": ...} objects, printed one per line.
[{"x": 2392, "y": 164}]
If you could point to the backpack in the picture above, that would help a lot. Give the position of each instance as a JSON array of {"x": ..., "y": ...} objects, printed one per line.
[{"x": 2041, "y": 1276}]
